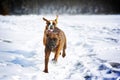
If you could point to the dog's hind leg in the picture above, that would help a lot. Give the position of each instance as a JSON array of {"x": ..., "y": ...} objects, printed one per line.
[
  {"x": 64, "y": 47},
  {"x": 63, "y": 54}
]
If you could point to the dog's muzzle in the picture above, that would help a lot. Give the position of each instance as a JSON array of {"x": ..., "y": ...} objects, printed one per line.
[{"x": 51, "y": 27}]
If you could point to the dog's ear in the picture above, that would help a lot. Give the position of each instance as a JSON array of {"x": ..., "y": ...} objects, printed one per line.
[
  {"x": 45, "y": 19},
  {"x": 56, "y": 19}
]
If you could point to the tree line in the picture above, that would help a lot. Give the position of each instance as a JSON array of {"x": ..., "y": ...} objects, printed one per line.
[{"x": 59, "y": 7}]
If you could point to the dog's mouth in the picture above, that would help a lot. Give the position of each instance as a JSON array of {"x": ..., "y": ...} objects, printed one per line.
[{"x": 50, "y": 30}]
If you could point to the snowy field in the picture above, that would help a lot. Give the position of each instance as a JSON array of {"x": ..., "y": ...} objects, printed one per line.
[{"x": 93, "y": 48}]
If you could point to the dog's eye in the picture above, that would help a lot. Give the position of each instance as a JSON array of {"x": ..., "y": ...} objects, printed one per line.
[
  {"x": 48, "y": 23},
  {"x": 53, "y": 23}
]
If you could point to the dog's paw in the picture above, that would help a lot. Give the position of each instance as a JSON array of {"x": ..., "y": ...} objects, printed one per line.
[
  {"x": 63, "y": 55},
  {"x": 45, "y": 71},
  {"x": 54, "y": 61}
]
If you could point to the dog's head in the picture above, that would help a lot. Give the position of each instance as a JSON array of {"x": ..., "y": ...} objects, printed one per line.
[
  {"x": 51, "y": 24},
  {"x": 52, "y": 40}
]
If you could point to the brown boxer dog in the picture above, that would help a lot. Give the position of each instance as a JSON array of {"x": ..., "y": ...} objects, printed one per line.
[{"x": 54, "y": 41}]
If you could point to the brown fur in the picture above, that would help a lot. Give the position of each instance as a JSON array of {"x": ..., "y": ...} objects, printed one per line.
[{"x": 54, "y": 41}]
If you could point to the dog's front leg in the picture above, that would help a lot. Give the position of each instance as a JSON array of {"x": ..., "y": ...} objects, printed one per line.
[
  {"x": 57, "y": 53},
  {"x": 47, "y": 54}
]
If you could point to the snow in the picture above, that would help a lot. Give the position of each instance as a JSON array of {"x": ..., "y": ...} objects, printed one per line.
[{"x": 93, "y": 48}]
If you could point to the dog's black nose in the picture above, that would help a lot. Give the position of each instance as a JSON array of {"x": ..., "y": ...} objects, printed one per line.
[{"x": 51, "y": 27}]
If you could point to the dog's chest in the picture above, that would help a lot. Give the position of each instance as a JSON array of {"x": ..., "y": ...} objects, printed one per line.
[
  {"x": 51, "y": 39},
  {"x": 51, "y": 44}
]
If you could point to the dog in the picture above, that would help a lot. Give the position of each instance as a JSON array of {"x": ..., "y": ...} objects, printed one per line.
[{"x": 54, "y": 40}]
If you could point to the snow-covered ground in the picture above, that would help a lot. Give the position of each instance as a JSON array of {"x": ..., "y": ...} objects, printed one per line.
[{"x": 93, "y": 48}]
